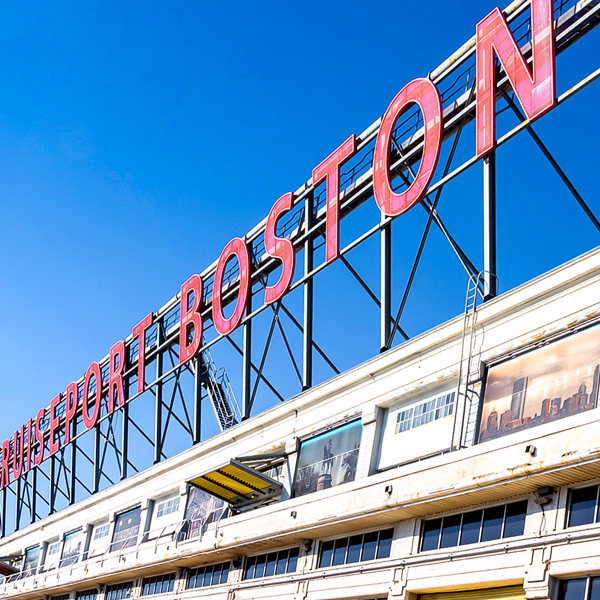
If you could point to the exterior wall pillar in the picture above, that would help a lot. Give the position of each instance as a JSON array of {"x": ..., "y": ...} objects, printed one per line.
[
  {"x": 372, "y": 417},
  {"x": 292, "y": 447},
  {"x": 538, "y": 584}
]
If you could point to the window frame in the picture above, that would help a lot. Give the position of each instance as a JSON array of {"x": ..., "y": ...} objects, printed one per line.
[
  {"x": 462, "y": 513},
  {"x": 363, "y": 533}
]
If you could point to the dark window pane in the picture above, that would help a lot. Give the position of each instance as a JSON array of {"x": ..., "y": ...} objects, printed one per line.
[
  {"x": 216, "y": 578},
  {"x": 470, "y": 527},
  {"x": 207, "y": 576},
  {"x": 370, "y": 546},
  {"x": 431, "y": 534},
  {"x": 574, "y": 589},
  {"x": 354, "y": 547},
  {"x": 250, "y": 567},
  {"x": 450, "y": 530},
  {"x": 594, "y": 588},
  {"x": 583, "y": 506},
  {"x": 326, "y": 554},
  {"x": 293, "y": 560},
  {"x": 271, "y": 562},
  {"x": 282, "y": 559},
  {"x": 385, "y": 543},
  {"x": 146, "y": 589},
  {"x": 225, "y": 573},
  {"x": 339, "y": 552},
  {"x": 515, "y": 519},
  {"x": 492, "y": 523},
  {"x": 260, "y": 565}
]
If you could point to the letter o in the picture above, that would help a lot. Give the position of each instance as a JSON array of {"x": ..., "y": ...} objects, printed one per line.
[
  {"x": 93, "y": 369},
  {"x": 424, "y": 93},
  {"x": 236, "y": 247}
]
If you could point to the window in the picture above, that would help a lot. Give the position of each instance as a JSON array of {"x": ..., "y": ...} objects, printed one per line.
[
  {"x": 71, "y": 548},
  {"x": 52, "y": 555},
  {"x": 30, "y": 564},
  {"x": 166, "y": 507},
  {"x": 586, "y": 588},
  {"x": 432, "y": 410},
  {"x": 61, "y": 597},
  {"x": 99, "y": 539},
  {"x": 274, "y": 563},
  {"x": 583, "y": 508},
  {"x": 209, "y": 575},
  {"x": 158, "y": 585},
  {"x": 87, "y": 595},
  {"x": 356, "y": 548},
  {"x": 101, "y": 531},
  {"x": 494, "y": 523},
  {"x": 119, "y": 591}
]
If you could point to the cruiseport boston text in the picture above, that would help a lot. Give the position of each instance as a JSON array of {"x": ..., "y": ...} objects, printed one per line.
[{"x": 534, "y": 86}]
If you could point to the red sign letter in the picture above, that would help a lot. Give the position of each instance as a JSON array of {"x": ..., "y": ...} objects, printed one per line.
[
  {"x": 17, "y": 465},
  {"x": 93, "y": 369},
  {"x": 71, "y": 401},
  {"x": 29, "y": 443},
  {"x": 536, "y": 92},
  {"x": 330, "y": 169},
  {"x": 53, "y": 443},
  {"x": 190, "y": 319},
  {"x": 139, "y": 332},
  {"x": 39, "y": 436},
  {"x": 426, "y": 95},
  {"x": 236, "y": 247},
  {"x": 5, "y": 476},
  {"x": 115, "y": 377},
  {"x": 281, "y": 248}
]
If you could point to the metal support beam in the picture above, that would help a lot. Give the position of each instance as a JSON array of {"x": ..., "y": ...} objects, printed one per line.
[
  {"x": 18, "y": 503},
  {"x": 386, "y": 285},
  {"x": 73, "y": 462},
  {"x": 96, "y": 484},
  {"x": 586, "y": 209},
  {"x": 33, "y": 515},
  {"x": 53, "y": 484},
  {"x": 125, "y": 438},
  {"x": 307, "y": 344},
  {"x": 198, "y": 399},
  {"x": 489, "y": 226},
  {"x": 158, "y": 396},
  {"x": 247, "y": 363}
]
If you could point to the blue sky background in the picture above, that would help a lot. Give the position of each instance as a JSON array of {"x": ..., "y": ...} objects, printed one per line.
[{"x": 137, "y": 138}]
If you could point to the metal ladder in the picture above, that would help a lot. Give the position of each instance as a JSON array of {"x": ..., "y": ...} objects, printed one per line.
[
  {"x": 216, "y": 382},
  {"x": 468, "y": 372}
]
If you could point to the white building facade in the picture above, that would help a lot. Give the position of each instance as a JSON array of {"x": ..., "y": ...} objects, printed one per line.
[{"x": 430, "y": 472}]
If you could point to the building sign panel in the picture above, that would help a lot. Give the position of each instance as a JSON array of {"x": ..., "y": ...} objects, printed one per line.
[
  {"x": 32, "y": 558},
  {"x": 126, "y": 530},
  {"x": 544, "y": 385},
  {"x": 72, "y": 548},
  {"x": 328, "y": 459},
  {"x": 201, "y": 509}
]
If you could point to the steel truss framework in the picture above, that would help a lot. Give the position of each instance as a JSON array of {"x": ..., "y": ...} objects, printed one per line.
[{"x": 136, "y": 435}]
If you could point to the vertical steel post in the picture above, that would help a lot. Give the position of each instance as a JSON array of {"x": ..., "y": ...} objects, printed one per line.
[
  {"x": 247, "y": 362},
  {"x": 386, "y": 284},
  {"x": 489, "y": 226},
  {"x": 33, "y": 496},
  {"x": 96, "y": 485},
  {"x": 198, "y": 399},
  {"x": 52, "y": 486},
  {"x": 18, "y": 503},
  {"x": 3, "y": 524},
  {"x": 125, "y": 437},
  {"x": 73, "y": 461},
  {"x": 308, "y": 296},
  {"x": 158, "y": 391}
]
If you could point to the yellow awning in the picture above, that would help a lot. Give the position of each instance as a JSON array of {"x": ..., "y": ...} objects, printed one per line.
[{"x": 238, "y": 484}]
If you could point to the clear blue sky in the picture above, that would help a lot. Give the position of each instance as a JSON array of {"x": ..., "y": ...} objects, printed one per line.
[{"x": 137, "y": 138}]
